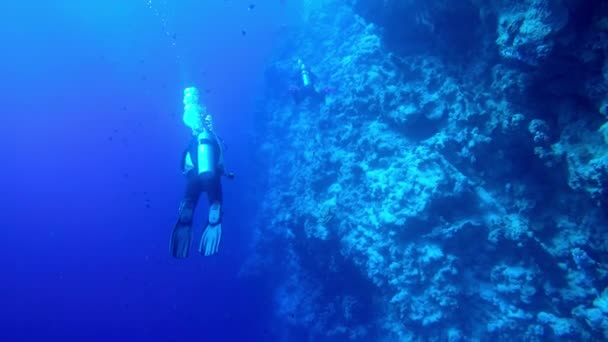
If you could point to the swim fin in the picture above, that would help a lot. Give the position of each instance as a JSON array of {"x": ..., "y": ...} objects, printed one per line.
[
  {"x": 210, "y": 241},
  {"x": 180, "y": 241}
]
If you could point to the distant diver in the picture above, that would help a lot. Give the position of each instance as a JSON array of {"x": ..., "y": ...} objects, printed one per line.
[
  {"x": 203, "y": 165},
  {"x": 306, "y": 88}
]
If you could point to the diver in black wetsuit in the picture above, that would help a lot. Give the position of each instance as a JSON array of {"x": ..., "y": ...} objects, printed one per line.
[
  {"x": 203, "y": 165},
  {"x": 306, "y": 88}
]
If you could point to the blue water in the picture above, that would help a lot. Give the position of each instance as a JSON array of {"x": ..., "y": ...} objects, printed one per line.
[
  {"x": 405, "y": 171},
  {"x": 92, "y": 135}
]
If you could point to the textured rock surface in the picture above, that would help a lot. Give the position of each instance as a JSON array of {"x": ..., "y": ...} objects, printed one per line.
[{"x": 433, "y": 198}]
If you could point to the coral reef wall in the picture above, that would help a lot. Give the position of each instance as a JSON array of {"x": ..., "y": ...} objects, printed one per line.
[{"x": 447, "y": 179}]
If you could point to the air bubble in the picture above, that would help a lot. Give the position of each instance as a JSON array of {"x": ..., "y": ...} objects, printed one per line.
[{"x": 159, "y": 9}]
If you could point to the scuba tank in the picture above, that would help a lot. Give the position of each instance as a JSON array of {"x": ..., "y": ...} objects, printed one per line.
[
  {"x": 305, "y": 74},
  {"x": 206, "y": 155}
]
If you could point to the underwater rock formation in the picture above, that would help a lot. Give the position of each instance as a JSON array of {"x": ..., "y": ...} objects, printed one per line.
[{"x": 431, "y": 197}]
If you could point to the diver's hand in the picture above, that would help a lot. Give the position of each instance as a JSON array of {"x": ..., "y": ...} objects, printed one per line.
[{"x": 210, "y": 241}]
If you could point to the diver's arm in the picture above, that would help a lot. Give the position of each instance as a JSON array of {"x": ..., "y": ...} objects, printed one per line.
[
  {"x": 185, "y": 153},
  {"x": 313, "y": 77},
  {"x": 220, "y": 159},
  {"x": 220, "y": 163},
  {"x": 183, "y": 160}
]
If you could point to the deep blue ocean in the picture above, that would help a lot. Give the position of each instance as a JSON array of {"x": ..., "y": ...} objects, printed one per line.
[
  {"x": 404, "y": 170},
  {"x": 92, "y": 136}
]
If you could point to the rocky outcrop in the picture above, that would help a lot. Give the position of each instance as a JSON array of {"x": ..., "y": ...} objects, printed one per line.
[{"x": 427, "y": 197}]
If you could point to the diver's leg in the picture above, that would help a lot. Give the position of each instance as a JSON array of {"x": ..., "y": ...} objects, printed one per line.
[
  {"x": 214, "y": 195},
  {"x": 181, "y": 235},
  {"x": 210, "y": 240}
]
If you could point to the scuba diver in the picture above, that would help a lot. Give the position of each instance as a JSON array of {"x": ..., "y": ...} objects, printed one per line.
[
  {"x": 307, "y": 89},
  {"x": 203, "y": 165}
]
